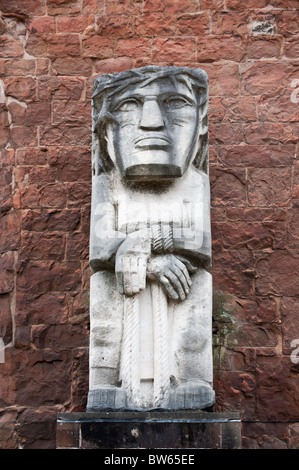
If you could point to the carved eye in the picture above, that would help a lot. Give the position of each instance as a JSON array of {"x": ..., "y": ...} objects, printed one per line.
[
  {"x": 129, "y": 104},
  {"x": 176, "y": 102}
]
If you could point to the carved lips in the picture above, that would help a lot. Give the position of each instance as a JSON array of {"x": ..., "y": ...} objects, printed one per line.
[{"x": 153, "y": 140}]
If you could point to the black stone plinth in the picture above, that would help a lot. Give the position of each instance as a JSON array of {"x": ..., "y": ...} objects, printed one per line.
[{"x": 149, "y": 430}]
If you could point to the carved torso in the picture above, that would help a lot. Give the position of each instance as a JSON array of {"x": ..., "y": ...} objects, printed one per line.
[{"x": 150, "y": 241}]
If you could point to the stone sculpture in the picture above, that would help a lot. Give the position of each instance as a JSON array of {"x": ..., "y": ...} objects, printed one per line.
[{"x": 150, "y": 242}]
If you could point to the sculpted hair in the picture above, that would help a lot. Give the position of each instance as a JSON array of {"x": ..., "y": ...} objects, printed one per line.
[{"x": 106, "y": 86}]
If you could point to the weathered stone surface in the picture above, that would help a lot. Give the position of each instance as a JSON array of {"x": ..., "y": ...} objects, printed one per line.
[
  {"x": 7, "y": 261},
  {"x": 276, "y": 389},
  {"x": 290, "y": 327},
  {"x": 269, "y": 187},
  {"x": 152, "y": 139},
  {"x": 72, "y": 66},
  {"x": 228, "y": 187},
  {"x": 72, "y": 24},
  {"x": 60, "y": 88},
  {"x": 6, "y": 327},
  {"x": 277, "y": 273},
  {"x": 48, "y": 308},
  {"x": 266, "y": 436},
  {"x": 174, "y": 49},
  {"x": 233, "y": 272},
  {"x": 224, "y": 79},
  {"x": 26, "y": 8},
  {"x": 45, "y": 184},
  {"x": 134, "y": 47},
  {"x": 62, "y": 220},
  {"x": 21, "y": 88},
  {"x": 60, "y": 7},
  {"x": 7, "y": 437},
  {"x": 98, "y": 47}
]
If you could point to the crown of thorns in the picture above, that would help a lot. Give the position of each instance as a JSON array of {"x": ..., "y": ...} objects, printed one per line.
[{"x": 108, "y": 85}]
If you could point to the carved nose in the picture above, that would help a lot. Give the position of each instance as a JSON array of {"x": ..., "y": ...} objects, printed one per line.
[{"x": 151, "y": 116}]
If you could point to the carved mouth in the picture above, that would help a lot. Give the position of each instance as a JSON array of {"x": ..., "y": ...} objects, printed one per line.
[{"x": 152, "y": 141}]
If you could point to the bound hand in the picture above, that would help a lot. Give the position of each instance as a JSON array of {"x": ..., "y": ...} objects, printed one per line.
[{"x": 172, "y": 273}]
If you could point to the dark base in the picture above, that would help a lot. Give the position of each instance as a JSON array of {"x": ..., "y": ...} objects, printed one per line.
[
  {"x": 187, "y": 397},
  {"x": 149, "y": 430}
]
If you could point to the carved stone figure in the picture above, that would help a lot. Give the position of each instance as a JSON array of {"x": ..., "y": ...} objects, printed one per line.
[{"x": 150, "y": 241}]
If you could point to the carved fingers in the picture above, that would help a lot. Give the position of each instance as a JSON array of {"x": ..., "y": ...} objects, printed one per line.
[
  {"x": 133, "y": 264},
  {"x": 191, "y": 269},
  {"x": 130, "y": 264},
  {"x": 172, "y": 274},
  {"x": 130, "y": 274}
]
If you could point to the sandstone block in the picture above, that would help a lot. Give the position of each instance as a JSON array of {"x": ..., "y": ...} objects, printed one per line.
[
  {"x": 22, "y": 136},
  {"x": 277, "y": 273},
  {"x": 251, "y": 4},
  {"x": 93, "y": 6},
  {"x": 115, "y": 26},
  {"x": 263, "y": 77},
  {"x": 174, "y": 49},
  {"x": 61, "y": 7},
  {"x": 224, "y": 79},
  {"x": 213, "y": 48},
  {"x": 181, "y": 6},
  {"x": 21, "y": 88},
  {"x": 133, "y": 47},
  {"x": 44, "y": 276},
  {"x": 276, "y": 389},
  {"x": 72, "y": 66},
  {"x": 60, "y": 88},
  {"x": 258, "y": 48},
  {"x": 7, "y": 272},
  {"x": 24, "y": 9},
  {"x": 10, "y": 47},
  {"x": 228, "y": 187},
  {"x": 37, "y": 245},
  {"x": 42, "y": 25},
  {"x": 290, "y": 328},
  {"x": 6, "y": 190},
  {"x": 114, "y": 65},
  {"x": 52, "y": 134},
  {"x": 48, "y": 308},
  {"x": 36, "y": 45},
  {"x": 71, "y": 112},
  {"x": 78, "y": 194},
  {"x": 6, "y": 327},
  {"x": 77, "y": 247},
  {"x": 229, "y": 23},
  {"x": 269, "y": 186},
  {"x": 114, "y": 7},
  {"x": 63, "y": 45},
  {"x": 98, "y": 47},
  {"x": 72, "y": 24},
  {"x": 193, "y": 25},
  {"x": 230, "y": 272},
  {"x": 155, "y": 25},
  {"x": 9, "y": 232},
  {"x": 17, "y": 67},
  {"x": 7, "y": 438},
  {"x": 263, "y": 157}
]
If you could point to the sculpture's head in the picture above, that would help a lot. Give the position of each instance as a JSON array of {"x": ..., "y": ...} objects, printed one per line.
[{"x": 150, "y": 122}]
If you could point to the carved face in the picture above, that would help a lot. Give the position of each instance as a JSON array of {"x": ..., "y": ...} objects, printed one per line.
[{"x": 156, "y": 129}]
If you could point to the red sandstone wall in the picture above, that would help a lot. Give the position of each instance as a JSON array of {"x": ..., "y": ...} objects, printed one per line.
[{"x": 50, "y": 50}]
